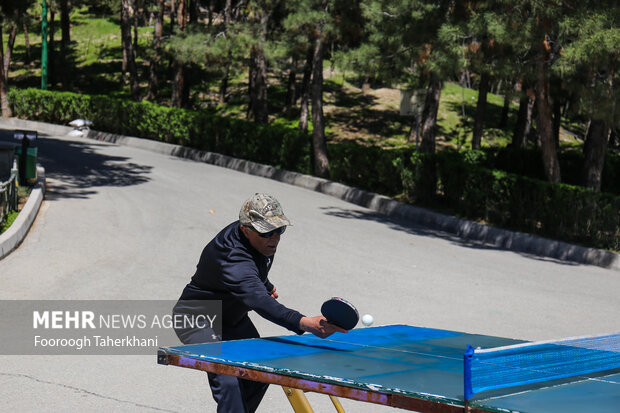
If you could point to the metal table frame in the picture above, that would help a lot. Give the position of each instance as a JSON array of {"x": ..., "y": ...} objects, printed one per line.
[{"x": 289, "y": 383}]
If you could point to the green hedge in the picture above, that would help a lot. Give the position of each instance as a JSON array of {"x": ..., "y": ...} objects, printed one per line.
[
  {"x": 559, "y": 211},
  {"x": 480, "y": 185},
  {"x": 528, "y": 162},
  {"x": 367, "y": 167},
  {"x": 286, "y": 148}
]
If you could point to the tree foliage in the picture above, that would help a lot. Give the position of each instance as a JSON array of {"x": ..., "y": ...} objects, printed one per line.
[{"x": 563, "y": 55}]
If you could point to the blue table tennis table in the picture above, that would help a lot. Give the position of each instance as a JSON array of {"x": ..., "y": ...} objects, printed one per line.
[{"x": 413, "y": 368}]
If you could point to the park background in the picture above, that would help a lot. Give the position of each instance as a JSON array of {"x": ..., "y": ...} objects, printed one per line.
[
  {"x": 515, "y": 122},
  {"x": 122, "y": 223}
]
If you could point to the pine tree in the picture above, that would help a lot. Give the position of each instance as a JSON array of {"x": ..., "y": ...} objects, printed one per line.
[
  {"x": 531, "y": 29},
  {"x": 316, "y": 23},
  {"x": 129, "y": 55},
  {"x": 11, "y": 12},
  {"x": 413, "y": 44},
  {"x": 591, "y": 62}
]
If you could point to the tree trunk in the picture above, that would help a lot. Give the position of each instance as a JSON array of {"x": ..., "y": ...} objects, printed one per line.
[
  {"x": 125, "y": 34},
  {"x": 4, "y": 100},
  {"x": 257, "y": 108},
  {"x": 4, "y": 89},
  {"x": 319, "y": 147},
  {"x": 154, "y": 63},
  {"x": 557, "y": 121},
  {"x": 27, "y": 42},
  {"x": 595, "y": 148},
  {"x": 261, "y": 111},
  {"x": 193, "y": 11},
  {"x": 180, "y": 86},
  {"x": 426, "y": 188},
  {"x": 366, "y": 85},
  {"x": 134, "y": 22},
  {"x": 544, "y": 122},
  {"x": 65, "y": 29},
  {"x": 228, "y": 62},
  {"x": 65, "y": 24},
  {"x": 51, "y": 48},
  {"x": 503, "y": 119},
  {"x": 523, "y": 125},
  {"x": 129, "y": 62},
  {"x": 6, "y": 61},
  {"x": 429, "y": 115},
  {"x": 210, "y": 15},
  {"x": 225, "y": 77},
  {"x": 614, "y": 138},
  {"x": 481, "y": 109},
  {"x": 173, "y": 10},
  {"x": 465, "y": 80},
  {"x": 499, "y": 87},
  {"x": 305, "y": 92},
  {"x": 5, "y": 64},
  {"x": 290, "y": 90}
]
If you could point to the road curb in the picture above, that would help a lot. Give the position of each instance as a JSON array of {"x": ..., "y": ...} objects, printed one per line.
[
  {"x": 13, "y": 237},
  {"x": 464, "y": 229}
]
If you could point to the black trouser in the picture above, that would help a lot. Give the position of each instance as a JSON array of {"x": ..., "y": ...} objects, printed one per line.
[{"x": 232, "y": 394}]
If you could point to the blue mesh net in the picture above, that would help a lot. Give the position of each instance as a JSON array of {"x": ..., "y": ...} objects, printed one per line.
[{"x": 529, "y": 363}]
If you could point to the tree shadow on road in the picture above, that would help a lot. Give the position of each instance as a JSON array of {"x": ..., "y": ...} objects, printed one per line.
[
  {"x": 401, "y": 224},
  {"x": 75, "y": 169}
]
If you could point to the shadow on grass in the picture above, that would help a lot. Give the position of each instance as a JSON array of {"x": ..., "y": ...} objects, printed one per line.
[
  {"x": 101, "y": 77},
  {"x": 355, "y": 110},
  {"x": 350, "y": 99},
  {"x": 493, "y": 113},
  {"x": 385, "y": 123}
]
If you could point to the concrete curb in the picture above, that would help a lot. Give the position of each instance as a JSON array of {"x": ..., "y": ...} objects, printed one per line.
[
  {"x": 467, "y": 230},
  {"x": 13, "y": 237}
]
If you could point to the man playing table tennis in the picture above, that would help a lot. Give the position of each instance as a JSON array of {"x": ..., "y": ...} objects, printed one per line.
[{"x": 233, "y": 268}]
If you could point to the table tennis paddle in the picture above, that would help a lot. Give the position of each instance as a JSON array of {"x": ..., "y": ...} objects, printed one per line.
[{"x": 340, "y": 312}]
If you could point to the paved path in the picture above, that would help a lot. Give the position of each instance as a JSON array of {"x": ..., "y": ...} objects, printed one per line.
[{"x": 125, "y": 223}]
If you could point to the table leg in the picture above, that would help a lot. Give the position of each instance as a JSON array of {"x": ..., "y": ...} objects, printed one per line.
[
  {"x": 298, "y": 400},
  {"x": 337, "y": 404},
  {"x": 300, "y": 403}
]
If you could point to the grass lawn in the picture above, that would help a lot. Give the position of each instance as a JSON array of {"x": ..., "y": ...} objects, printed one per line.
[{"x": 23, "y": 192}]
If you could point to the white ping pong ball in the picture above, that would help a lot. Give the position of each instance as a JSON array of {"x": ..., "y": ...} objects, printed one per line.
[{"x": 367, "y": 320}]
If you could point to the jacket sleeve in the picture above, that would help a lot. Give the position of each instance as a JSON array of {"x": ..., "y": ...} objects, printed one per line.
[
  {"x": 241, "y": 278},
  {"x": 268, "y": 286}
]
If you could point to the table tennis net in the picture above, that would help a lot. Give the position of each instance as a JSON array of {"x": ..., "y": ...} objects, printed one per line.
[{"x": 524, "y": 364}]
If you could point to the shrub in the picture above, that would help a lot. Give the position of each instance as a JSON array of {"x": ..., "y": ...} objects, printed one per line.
[
  {"x": 275, "y": 145},
  {"x": 367, "y": 167},
  {"x": 559, "y": 211},
  {"x": 489, "y": 185}
]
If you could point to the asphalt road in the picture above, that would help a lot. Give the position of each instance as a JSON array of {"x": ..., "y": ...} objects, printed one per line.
[{"x": 125, "y": 223}]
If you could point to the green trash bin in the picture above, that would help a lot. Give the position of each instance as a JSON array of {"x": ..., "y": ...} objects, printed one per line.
[
  {"x": 28, "y": 167},
  {"x": 26, "y": 156}
]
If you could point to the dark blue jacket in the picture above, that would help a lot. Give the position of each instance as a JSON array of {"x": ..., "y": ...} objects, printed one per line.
[{"x": 232, "y": 271}]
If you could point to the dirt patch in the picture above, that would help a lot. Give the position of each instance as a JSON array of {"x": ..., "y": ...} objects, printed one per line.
[{"x": 364, "y": 115}]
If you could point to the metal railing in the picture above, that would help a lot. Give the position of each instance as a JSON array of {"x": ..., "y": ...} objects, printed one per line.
[{"x": 8, "y": 196}]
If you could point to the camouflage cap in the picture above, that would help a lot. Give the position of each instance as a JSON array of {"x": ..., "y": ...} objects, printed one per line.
[{"x": 263, "y": 212}]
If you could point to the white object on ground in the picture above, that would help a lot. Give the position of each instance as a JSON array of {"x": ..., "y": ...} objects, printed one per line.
[
  {"x": 80, "y": 123},
  {"x": 76, "y": 132}
]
